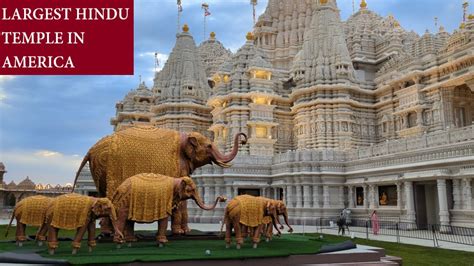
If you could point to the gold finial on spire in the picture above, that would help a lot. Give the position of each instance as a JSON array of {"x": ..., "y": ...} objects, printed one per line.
[
  {"x": 212, "y": 35},
  {"x": 185, "y": 28},
  {"x": 250, "y": 36},
  {"x": 363, "y": 4},
  {"x": 470, "y": 17},
  {"x": 323, "y": 2},
  {"x": 462, "y": 26}
]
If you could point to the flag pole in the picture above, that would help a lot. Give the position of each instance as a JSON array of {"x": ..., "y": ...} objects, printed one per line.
[
  {"x": 205, "y": 8},
  {"x": 180, "y": 9},
  {"x": 254, "y": 5}
]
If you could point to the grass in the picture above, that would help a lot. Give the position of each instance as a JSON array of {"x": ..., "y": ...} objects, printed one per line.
[
  {"x": 178, "y": 250},
  {"x": 195, "y": 250},
  {"x": 415, "y": 255}
]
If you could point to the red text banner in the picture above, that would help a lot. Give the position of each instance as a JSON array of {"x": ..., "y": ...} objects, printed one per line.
[{"x": 66, "y": 37}]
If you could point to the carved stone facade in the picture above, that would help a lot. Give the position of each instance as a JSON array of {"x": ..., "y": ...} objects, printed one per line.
[{"x": 360, "y": 114}]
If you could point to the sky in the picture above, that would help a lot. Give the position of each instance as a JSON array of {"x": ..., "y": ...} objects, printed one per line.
[{"x": 47, "y": 123}]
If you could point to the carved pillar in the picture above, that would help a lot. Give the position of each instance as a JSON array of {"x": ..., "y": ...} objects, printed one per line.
[
  {"x": 467, "y": 193},
  {"x": 283, "y": 198},
  {"x": 228, "y": 191},
  {"x": 236, "y": 191},
  {"x": 399, "y": 196},
  {"x": 206, "y": 193},
  {"x": 264, "y": 192},
  {"x": 457, "y": 194},
  {"x": 341, "y": 197},
  {"x": 410, "y": 201},
  {"x": 289, "y": 196},
  {"x": 299, "y": 197},
  {"x": 350, "y": 197},
  {"x": 306, "y": 197},
  {"x": 419, "y": 117},
  {"x": 366, "y": 196},
  {"x": 326, "y": 197},
  {"x": 316, "y": 197},
  {"x": 443, "y": 202},
  {"x": 372, "y": 197}
]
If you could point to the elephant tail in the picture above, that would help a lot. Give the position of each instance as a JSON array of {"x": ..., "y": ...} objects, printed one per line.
[
  {"x": 11, "y": 220},
  {"x": 224, "y": 222},
  {"x": 84, "y": 161}
]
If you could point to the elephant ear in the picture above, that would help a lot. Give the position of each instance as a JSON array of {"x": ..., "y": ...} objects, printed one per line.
[{"x": 191, "y": 146}]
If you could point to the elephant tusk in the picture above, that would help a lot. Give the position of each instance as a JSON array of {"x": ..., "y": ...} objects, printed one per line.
[{"x": 224, "y": 165}]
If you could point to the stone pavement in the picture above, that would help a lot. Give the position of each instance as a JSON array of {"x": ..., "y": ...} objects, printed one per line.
[{"x": 314, "y": 229}]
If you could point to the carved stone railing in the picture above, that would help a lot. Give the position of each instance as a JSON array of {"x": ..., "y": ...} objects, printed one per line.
[{"x": 431, "y": 140}]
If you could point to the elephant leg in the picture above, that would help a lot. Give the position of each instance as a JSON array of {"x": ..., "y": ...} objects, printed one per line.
[
  {"x": 184, "y": 217},
  {"x": 268, "y": 232},
  {"x": 256, "y": 235},
  {"x": 41, "y": 235},
  {"x": 91, "y": 235},
  {"x": 76, "y": 243},
  {"x": 161, "y": 237},
  {"x": 121, "y": 222},
  {"x": 20, "y": 233},
  {"x": 245, "y": 231},
  {"x": 228, "y": 233},
  {"x": 52, "y": 239},
  {"x": 130, "y": 232},
  {"x": 238, "y": 233},
  {"x": 176, "y": 220}
]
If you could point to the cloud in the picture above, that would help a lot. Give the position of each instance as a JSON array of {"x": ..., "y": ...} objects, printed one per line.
[{"x": 42, "y": 166}]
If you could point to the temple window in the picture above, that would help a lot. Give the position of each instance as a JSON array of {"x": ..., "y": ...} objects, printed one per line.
[
  {"x": 388, "y": 195},
  {"x": 460, "y": 117},
  {"x": 261, "y": 132},
  {"x": 359, "y": 196},
  {"x": 411, "y": 120}
]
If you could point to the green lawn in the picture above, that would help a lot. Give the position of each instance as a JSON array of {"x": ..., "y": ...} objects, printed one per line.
[
  {"x": 179, "y": 249},
  {"x": 195, "y": 249},
  {"x": 415, "y": 255}
]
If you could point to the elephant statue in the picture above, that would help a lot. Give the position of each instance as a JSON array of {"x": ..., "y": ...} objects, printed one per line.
[
  {"x": 29, "y": 211},
  {"x": 143, "y": 149},
  {"x": 268, "y": 226},
  {"x": 75, "y": 211},
  {"x": 146, "y": 198},
  {"x": 246, "y": 213}
]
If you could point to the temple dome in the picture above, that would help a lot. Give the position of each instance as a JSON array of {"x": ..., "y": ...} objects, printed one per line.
[
  {"x": 26, "y": 184},
  {"x": 213, "y": 54}
]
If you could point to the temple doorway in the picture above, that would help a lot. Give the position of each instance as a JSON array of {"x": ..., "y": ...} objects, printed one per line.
[
  {"x": 426, "y": 204},
  {"x": 249, "y": 191}
]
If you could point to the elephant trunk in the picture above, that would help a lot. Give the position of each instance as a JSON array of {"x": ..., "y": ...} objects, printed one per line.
[
  {"x": 222, "y": 159},
  {"x": 201, "y": 204},
  {"x": 274, "y": 222},
  {"x": 117, "y": 231},
  {"x": 285, "y": 215}
]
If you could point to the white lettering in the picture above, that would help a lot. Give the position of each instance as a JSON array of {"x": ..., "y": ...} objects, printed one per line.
[{"x": 38, "y": 62}]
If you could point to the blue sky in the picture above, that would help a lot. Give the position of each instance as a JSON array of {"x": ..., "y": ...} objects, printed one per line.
[{"x": 47, "y": 123}]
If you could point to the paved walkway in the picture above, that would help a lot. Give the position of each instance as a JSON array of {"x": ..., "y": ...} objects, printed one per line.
[{"x": 314, "y": 229}]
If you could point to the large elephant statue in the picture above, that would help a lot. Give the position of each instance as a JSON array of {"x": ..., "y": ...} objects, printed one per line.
[
  {"x": 76, "y": 212},
  {"x": 167, "y": 152},
  {"x": 247, "y": 213},
  {"x": 146, "y": 198},
  {"x": 29, "y": 211}
]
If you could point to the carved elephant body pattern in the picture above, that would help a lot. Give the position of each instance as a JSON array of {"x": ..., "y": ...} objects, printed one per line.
[
  {"x": 29, "y": 211},
  {"x": 139, "y": 150},
  {"x": 75, "y": 212},
  {"x": 146, "y": 198}
]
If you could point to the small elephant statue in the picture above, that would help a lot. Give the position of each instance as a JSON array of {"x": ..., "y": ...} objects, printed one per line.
[
  {"x": 268, "y": 226},
  {"x": 146, "y": 198},
  {"x": 75, "y": 211},
  {"x": 29, "y": 211},
  {"x": 145, "y": 149},
  {"x": 246, "y": 213}
]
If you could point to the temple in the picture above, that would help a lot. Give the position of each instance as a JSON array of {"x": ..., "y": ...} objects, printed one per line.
[{"x": 358, "y": 114}]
